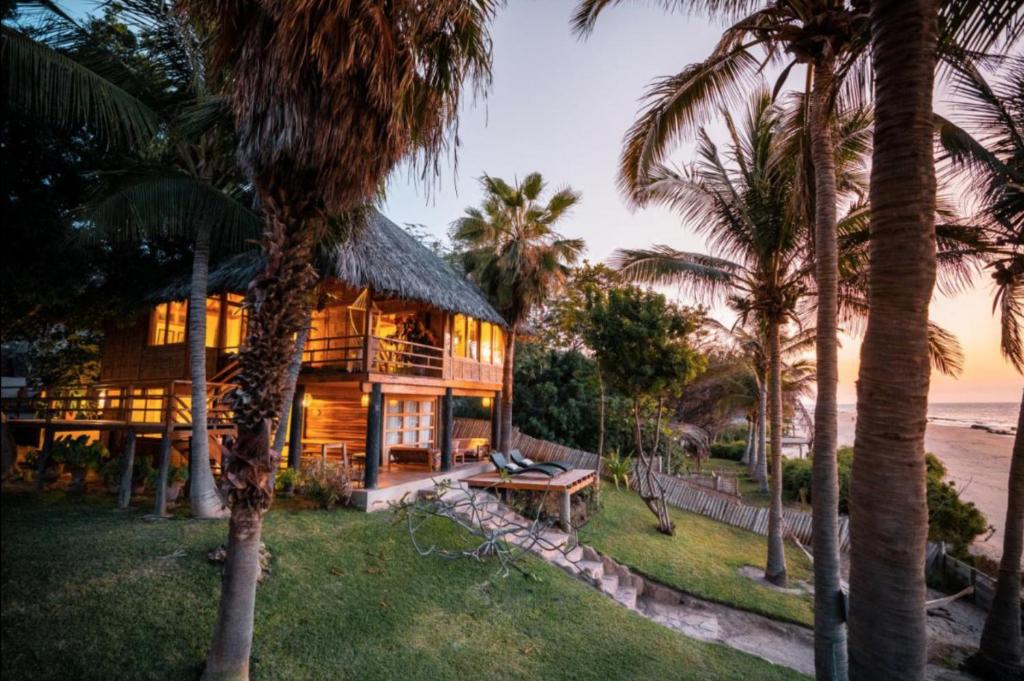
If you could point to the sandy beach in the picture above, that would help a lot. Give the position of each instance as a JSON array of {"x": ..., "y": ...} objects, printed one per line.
[{"x": 979, "y": 463}]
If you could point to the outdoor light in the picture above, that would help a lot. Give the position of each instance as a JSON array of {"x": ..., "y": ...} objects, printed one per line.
[
  {"x": 486, "y": 402},
  {"x": 307, "y": 400},
  {"x": 364, "y": 400}
]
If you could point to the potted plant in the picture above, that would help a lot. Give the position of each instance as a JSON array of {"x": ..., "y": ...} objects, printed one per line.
[
  {"x": 177, "y": 476},
  {"x": 286, "y": 482},
  {"x": 78, "y": 455}
]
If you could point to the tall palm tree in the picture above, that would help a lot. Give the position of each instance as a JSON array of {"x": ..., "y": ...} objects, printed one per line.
[
  {"x": 892, "y": 388},
  {"x": 746, "y": 207},
  {"x": 512, "y": 251},
  {"x": 186, "y": 185},
  {"x": 992, "y": 161},
  {"x": 327, "y": 98},
  {"x": 831, "y": 39}
]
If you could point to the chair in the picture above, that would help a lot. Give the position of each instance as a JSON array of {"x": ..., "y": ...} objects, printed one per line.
[
  {"x": 505, "y": 466},
  {"x": 520, "y": 460}
]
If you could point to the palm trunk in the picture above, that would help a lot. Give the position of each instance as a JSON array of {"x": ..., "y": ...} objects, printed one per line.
[
  {"x": 279, "y": 298},
  {"x": 600, "y": 419},
  {"x": 294, "y": 369},
  {"x": 1001, "y": 655},
  {"x": 507, "y": 380},
  {"x": 829, "y": 629},
  {"x": 205, "y": 501},
  {"x": 761, "y": 469},
  {"x": 775, "y": 572},
  {"x": 888, "y": 502},
  {"x": 750, "y": 443}
]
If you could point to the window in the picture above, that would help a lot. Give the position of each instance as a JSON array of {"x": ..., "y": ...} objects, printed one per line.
[
  {"x": 485, "y": 342},
  {"x": 212, "y": 321},
  {"x": 474, "y": 338},
  {"x": 459, "y": 336},
  {"x": 497, "y": 344},
  {"x": 235, "y": 322},
  {"x": 409, "y": 423},
  {"x": 167, "y": 323},
  {"x": 147, "y": 405}
]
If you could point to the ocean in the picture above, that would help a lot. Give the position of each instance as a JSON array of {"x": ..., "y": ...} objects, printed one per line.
[{"x": 985, "y": 415}]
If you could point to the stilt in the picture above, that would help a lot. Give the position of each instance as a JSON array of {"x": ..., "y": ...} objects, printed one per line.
[
  {"x": 295, "y": 428},
  {"x": 374, "y": 426},
  {"x": 566, "y": 512},
  {"x": 44, "y": 455},
  {"x": 124, "y": 493},
  {"x": 496, "y": 421},
  {"x": 448, "y": 416},
  {"x": 160, "y": 507}
]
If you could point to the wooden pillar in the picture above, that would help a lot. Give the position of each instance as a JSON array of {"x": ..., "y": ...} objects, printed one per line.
[
  {"x": 44, "y": 455},
  {"x": 448, "y": 419},
  {"x": 160, "y": 507},
  {"x": 124, "y": 493},
  {"x": 565, "y": 516},
  {"x": 496, "y": 421},
  {"x": 295, "y": 427},
  {"x": 374, "y": 426}
]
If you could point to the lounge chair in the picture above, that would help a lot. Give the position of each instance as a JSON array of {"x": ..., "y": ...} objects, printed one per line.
[
  {"x": 505, "y": 466},
  {"x": 518, "y": 459}
]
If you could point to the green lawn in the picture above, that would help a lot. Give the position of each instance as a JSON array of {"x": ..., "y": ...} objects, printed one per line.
[
  {"x": 92, "y": 593},
  {"x": 748, "y": 486},
  {"x": 703, "y": 558}
]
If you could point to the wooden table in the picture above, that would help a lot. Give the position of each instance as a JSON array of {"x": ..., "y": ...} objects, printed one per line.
[{"x": 566, "y": 483}]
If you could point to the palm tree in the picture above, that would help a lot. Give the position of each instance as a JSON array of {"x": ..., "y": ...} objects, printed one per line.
[
  {"x": 514, "y": 254},
  {"x": 747, "y": 208},
  {"x": 831, "y": 39},
  {"x": 187, "y": 185},
  {"x": 992, "y": 160},
  {"x": 327, "y": 99}
]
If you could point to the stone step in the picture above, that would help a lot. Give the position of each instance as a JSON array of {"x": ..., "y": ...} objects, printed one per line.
[
  {"x": 609, "y": 583},
  {"x": 576, "y": 554},
  {"x": 626, "y": 594},
  {"x": 592, "y": 569}
]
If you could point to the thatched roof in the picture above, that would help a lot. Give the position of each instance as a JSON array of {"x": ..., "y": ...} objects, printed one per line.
[{"x": 381, "y": 256}]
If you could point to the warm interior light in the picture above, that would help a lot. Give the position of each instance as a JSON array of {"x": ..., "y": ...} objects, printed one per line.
[
  {"x": 364, "y": 400},
  {"x": 486, "y": 402},
  {"x": 307, "y": 400}
]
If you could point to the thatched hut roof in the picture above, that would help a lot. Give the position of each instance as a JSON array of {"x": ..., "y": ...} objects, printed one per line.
[{"x": 381, "y": 256}]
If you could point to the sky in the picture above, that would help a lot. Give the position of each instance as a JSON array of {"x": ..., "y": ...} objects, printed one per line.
[{"x": 560, "y": 106}]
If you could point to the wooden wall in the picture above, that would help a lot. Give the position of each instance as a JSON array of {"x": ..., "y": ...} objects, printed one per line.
[
  {"x": 127, "y": 357},
  {"x": 336, "y": 415}
]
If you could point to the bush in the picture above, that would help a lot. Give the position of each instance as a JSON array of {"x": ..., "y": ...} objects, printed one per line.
[
  {"x": 286, "y": 480},
  {"x": 737, "y": 431},
  {"x": 618, "y": 468},
  {"x": 950, "y": 519},
  {"x": 78, "y": 452},
  {"x": 325, "y": 485},
  {"x": 732, "y": 450}
]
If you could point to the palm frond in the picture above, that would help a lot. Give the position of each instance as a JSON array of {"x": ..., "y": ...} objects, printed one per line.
[
  {"x": 173, "y": 205},
  {"x": 66, "y": 94},
  {"x": 1009, "y": 301},
  {"x": 704, "y": 274},
  {"x": 944, "y": 351}
]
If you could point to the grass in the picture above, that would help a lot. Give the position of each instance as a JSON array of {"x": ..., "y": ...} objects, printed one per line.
[
  {"x": 92, "y": 593},
  {"x": 703, "y": 558},
  {"x": 748, "y": 486}
]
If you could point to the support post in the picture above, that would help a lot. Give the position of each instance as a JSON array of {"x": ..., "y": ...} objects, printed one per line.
[
  {"x": 295, "y": 428},
  {"x": 44, "y": 455},
  {"x": 496, "y": 422},
  {"x": 373, "y": 438},
  {"x": 124, "y": 493},
  {"x": 160, "y": 507},
  {"x": 565, "y": 516},
  {"x": 448, "y": 416}
]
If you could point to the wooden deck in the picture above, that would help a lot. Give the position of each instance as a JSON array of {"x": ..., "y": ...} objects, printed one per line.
[{"x": 570, "y": 481}]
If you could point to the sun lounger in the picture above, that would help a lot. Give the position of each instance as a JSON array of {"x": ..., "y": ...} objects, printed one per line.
[
  {"x": 520, "y": 460},
  {"x": 505, "y": 466}
]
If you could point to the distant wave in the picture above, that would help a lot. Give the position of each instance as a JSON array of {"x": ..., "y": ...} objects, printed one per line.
[{"x": 992, "y": 417}]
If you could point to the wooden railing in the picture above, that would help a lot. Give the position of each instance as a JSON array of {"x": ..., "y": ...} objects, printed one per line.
[
  {"x": 335, "y": 352},
  {"x": 154, "y": 403},
  {"x": 396, "y": 356}
]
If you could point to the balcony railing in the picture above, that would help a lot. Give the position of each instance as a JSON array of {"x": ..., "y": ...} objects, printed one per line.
[{"x": 394, "y": 356}]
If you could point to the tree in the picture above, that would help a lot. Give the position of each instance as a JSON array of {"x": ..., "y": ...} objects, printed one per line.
[
  {"x": 747, "y": 209},
  {"x": 832, "y": 40},
  {"x": 641, "y": 344},
  {"x": 326, "y": 100},
  {"x": 991, "y": 160},
  {"x": 511, "y": 250}
]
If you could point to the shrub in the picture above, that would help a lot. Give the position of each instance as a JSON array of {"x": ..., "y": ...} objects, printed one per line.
[
  {"x": 950, "y": 519},
  {"x": 737, "y": 431},
  {"x": 732, "y": 450},
  {"x": 286, "y": 480},
  {"x": 326, "y": 485},
  {"x": 78, "y": 453},
  {"x": 618, "y": 468}
]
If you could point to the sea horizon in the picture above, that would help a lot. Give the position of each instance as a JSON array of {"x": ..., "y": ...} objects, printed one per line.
[{"x": 992, "y": 416}]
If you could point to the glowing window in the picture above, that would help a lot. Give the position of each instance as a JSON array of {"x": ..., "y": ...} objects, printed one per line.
[
  {"x": 459, "y": 336},
  {"x": 497, "y": 345},
  {"x": 212, "y": 321},
  {"x": 167, "y": 323},
  {"x": 485, "y": 342},
  {"x": 474, "y": 338}
]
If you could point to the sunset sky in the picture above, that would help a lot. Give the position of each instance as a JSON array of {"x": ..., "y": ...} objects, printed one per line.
[{"x": 560, "y": 106}]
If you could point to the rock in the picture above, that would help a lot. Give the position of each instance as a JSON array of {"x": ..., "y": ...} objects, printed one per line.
[{"x": 219, "y": 555}]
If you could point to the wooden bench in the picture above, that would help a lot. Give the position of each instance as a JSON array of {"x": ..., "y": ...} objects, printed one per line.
[
  {"x": 431, "y": 456},
  {"x": 478, "y": 448}
]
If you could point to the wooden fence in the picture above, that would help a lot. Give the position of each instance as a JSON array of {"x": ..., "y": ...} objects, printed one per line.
[
  {"x": 954, "y": 574},
  {"x": 678, "y": 493}
]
